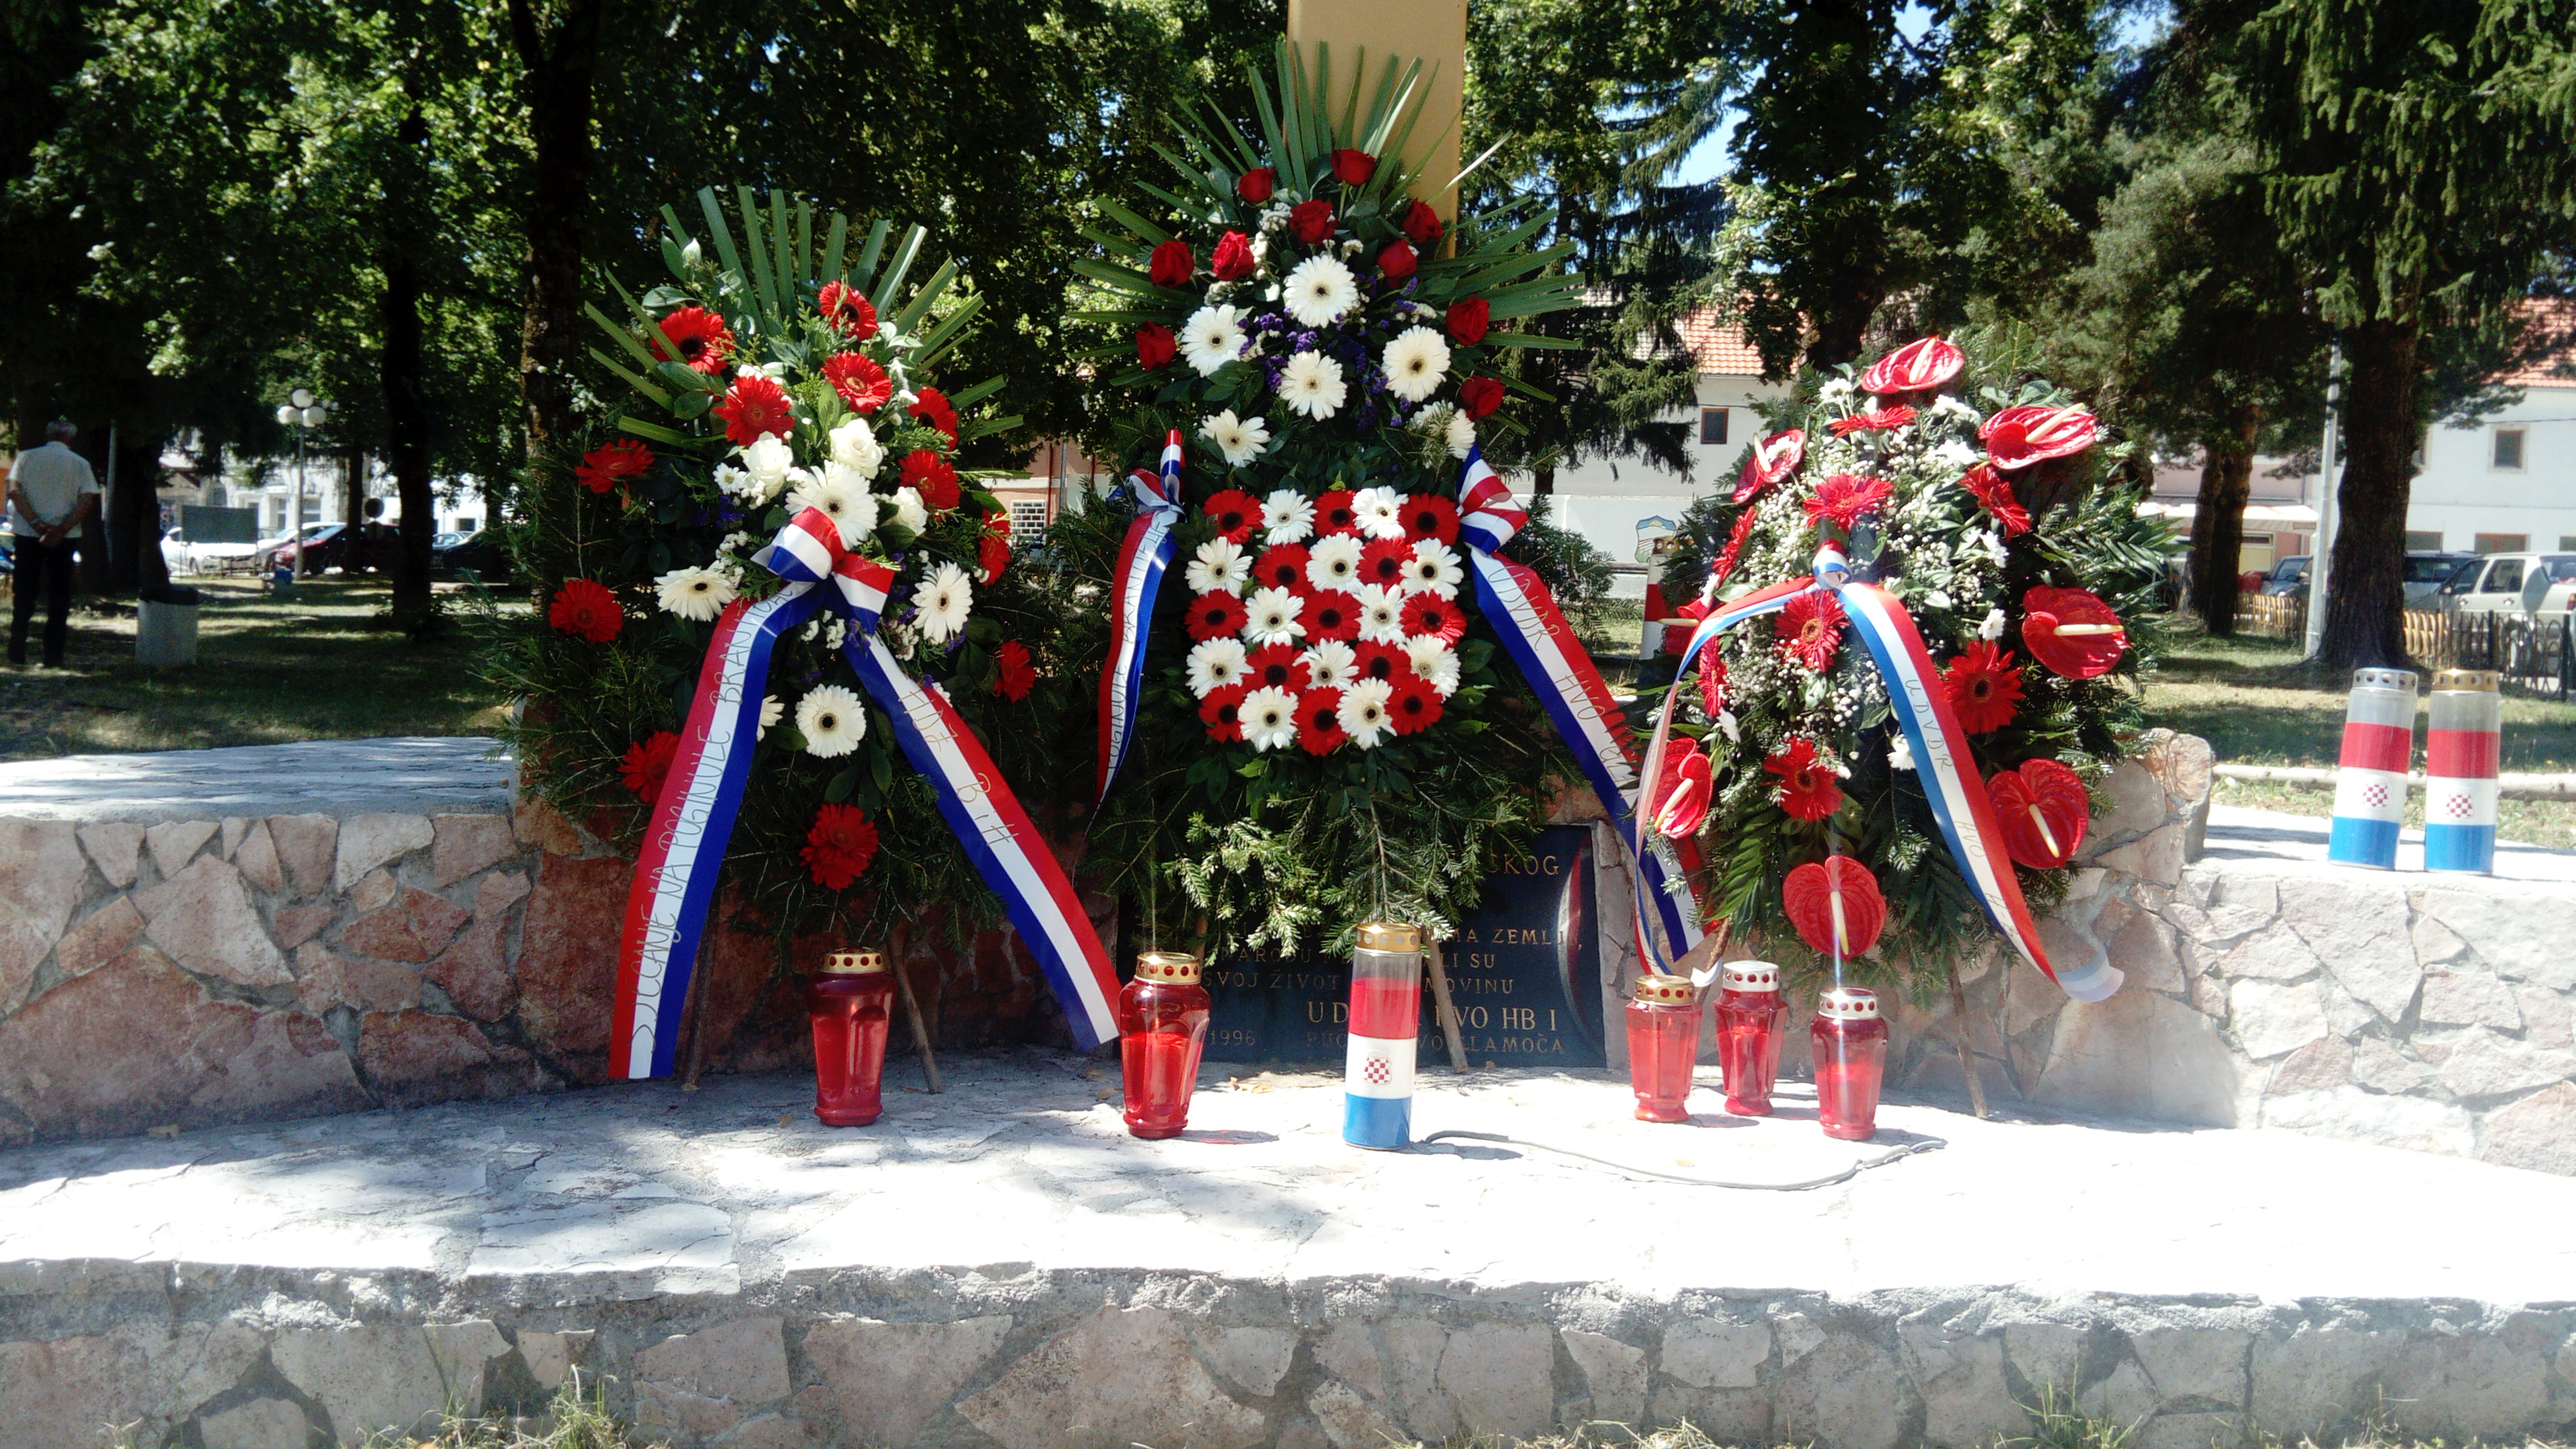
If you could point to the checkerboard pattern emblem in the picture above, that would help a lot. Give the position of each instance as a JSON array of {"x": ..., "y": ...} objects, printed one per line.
[
  {"x": 1376, "y": 1072},
  {"x": 2376, "y": 794}
]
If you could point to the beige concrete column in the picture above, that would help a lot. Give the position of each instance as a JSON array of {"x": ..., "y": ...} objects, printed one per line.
[{"x": 1431, "y": 31}]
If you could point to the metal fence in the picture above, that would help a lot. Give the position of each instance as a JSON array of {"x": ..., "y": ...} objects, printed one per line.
[{"x": 2532, "y": 654}]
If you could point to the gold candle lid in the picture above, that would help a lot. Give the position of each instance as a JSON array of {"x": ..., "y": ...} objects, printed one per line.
[
  {"x": 1660, "y": 990},
  {"x": 1848, "y": 1003},
  {"x": 1173, "y": 966},
  {"x": 2477, "y": 679},
  {"x": 1749, "y": 976},
  {"x": 1388, "y": 936},
  {"x": 853, "y": 963}
]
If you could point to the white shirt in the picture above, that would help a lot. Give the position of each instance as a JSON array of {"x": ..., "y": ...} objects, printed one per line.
[{"x": 53, "y": 477}]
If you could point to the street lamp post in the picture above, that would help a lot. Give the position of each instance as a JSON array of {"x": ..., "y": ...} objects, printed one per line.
[{"x": 301, "y": 412}]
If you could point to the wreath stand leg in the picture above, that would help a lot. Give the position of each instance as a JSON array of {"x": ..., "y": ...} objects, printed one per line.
[
  {"x": 1447, "y": 1011},
  {"x": 912, "y": 1009},
  {"x": 697, "y": 1007},
  {"x": 1959, "y": 1039}
]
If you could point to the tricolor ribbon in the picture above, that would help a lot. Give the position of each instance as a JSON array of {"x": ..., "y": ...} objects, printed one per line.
[
  {"x": 1940, "y": 747},
  {"x": 675, "y": 873},
  {"x": 1522, "y": 612},
  {"x": 1141, "y": 562}
]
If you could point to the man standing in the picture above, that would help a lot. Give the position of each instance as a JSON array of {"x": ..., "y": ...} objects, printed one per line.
[{"x": 54, "y": 492}]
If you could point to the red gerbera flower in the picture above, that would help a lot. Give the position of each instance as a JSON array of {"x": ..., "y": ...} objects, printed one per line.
[
  {"x": 1220, "y": 712},
  {"x": 1233, "y": 260},
  {"x": 931, "y": 406},
  {"x": 1712, "y": 683},
  {"x": 754, "y": 408},
  {"x": 1873, "y": 420},
  {"x": 1734, "y": 544},
  {"x": 1235, "y": 514},
  {"x": 1380, "y": 661},
  {"x": 695, "y": 336},
  {"x": 1984, "y": 686},
  {"x": 1415, "y": 705},
  {"x": 1332, "y": 614},
  {"x": 1319, "y": 722},
  {"x": 1383, "y": 560},
  {"x": 1276, "y": 666},
  {"x": 1216, "y": 615},
  {"x": 860, "y": 382},
  {"x": 848, "y": 311},
  {"x": 587, "y": 609},
  {"x": 1281, "y": 566},
  {"x": 1479, "y": 396},
  {"x": 602, "y": 467},
  {"x": 1468, "y": 320},
  {"x": 1428, "y": 515},
  {"x": 1311, "y": 221},
  {"x": 933, "y": 477},
  {"x": 1434, "y": 615},
  {"x": 1014, "y": 675},
  {"x": 1843, "y": 498},
  {"x": 1811, "y": 629},
  {"x": 1994, "y": 490},
  {"x": 1807, "y": 790},
  {"x": 1333, "y": 513},
  {"x": 839, "y": 847},
  {"x": 647, "y": 762}
]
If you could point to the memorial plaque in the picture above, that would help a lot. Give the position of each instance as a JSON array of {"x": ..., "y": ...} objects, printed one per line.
[{"x": 1524, "y": 972}]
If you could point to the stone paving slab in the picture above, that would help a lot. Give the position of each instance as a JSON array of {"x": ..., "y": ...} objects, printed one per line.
[
  {"x": 339, "y": 778},
  {"x": 2237, "y": 833}
]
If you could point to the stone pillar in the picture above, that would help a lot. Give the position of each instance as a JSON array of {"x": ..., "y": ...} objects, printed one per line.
[{"x": 1431, "y": 31}]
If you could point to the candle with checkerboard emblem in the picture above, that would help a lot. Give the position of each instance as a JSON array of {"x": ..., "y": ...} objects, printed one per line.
[
  {"x": 2370, "y": 780},
  {"x": 1386, "y": 1016},
  {"x": 2460, "y": 749}
]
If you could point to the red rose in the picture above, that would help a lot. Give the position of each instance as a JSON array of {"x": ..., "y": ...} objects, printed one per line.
[
  {"x": 933, "y": 477},
  {"x": 1014, "y": 675},
  {"x": 1480, "y": 396},
  {"x": 697, "y": 337},
  {"x": 839, "y": 847},
  {"x": 1311, "y": 221},
  {"x": 1396, "y": 261},
  {"x": 1233, "y": 260},
  {"x": 1421, "y": 224},
  {"x": 860, "y": 382},
  {"x": 1469, "y": 319},
  {"x": 647, "y": 763},
  {"x": 1172, "y": 264},
  {"x": 931, "y": 406},
  {"x": 1155, "y": 346},
  {"x": 602, "y": 467},
  {"x": 850, "y": 314},
  {"x": 1256, "y": 186},
  {"x": 586, "y": 609},
  {"x": 1354, "y": 168},
  {"x": 754, "y": 408}
]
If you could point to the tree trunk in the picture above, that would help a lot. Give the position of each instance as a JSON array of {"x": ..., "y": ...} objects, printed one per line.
[
  {"x": 561, "y": 61},
  {"x": 1543, "y": 481},
  {"x": 133, "y": 507},
  {"x": 407, "y": 431},
  {"x": 2366, "y": 593},
  {"x": 1843, "y": 330},
  {"x": 2218, "y": 523}
]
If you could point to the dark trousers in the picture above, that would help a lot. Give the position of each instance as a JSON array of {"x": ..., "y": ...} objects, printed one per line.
[{"x": 42, "y": 569}]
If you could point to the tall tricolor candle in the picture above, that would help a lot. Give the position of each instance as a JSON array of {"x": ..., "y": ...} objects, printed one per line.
[
  {"x": 848, "y": 1003},
  {"x": 1162, "y": 1027},
  {"x": 1386, "y": 1015},
  {"x": 1850, "y": 1041},
  {"x": 2460, "y": 772},
  {"x": 1663, "y": 1046},
  {"x": 1749, "y": 1017},
  {"x": 2370, "y": 781}
]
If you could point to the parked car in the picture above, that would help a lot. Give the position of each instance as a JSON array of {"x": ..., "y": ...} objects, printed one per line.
[
  {"x": 2530, "y": 583},
  {"x": 479, "y": 553},
  {"x": 2426, "y": 573},
  {"x": 376, "y": 549},
  {"x": 2289, "y": 576},
  {"x": 182, "y": 557}
]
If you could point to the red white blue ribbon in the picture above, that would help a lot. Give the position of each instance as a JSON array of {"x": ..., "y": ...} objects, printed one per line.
[
  {"x": 1940, "y": 747},
  {"x": 1522, "y": 612},
  {"x": 1141, "y": 562},
  {"x": 675, "y": 872}
]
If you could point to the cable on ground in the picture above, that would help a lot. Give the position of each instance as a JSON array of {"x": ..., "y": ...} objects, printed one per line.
[{"x": 1928, "y": 1144}]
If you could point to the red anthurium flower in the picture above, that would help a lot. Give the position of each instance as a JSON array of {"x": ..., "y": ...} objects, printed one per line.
[
  {"x": 2072, "y": 632},
  {"x": 695, "y": 336},
  {"x": 1397, "y": 261},
  {"x": 1171, "y": 264},
  {"x": 850, "y": 314},
  {"x": 1319, "y": 721},
  {"x": 755, "y": 407},
  {"x": 1235, "y": 514},
  {"x": 1772, "y": 459},
  {"x": 1683, "y": 802},
  {"x": 1808, "y": 790},
  {"x": 1155, "y": 346},
  {"x": 1421, "y": 224},
  {"x": 2019, "y": 437},
  {"x": 993, "y": 554},
  {"x": 932, "y": 477},
  {"x": 1873, "y": 420},
  {"x": 1233, "y": 260},
  {"x": 1014, "y": 676},
  {"x": 1734, "y": 544},
  {"x": 1276, "y": 666},
  {"x": 932, "y": 406},
  {"x": 1811, "y": 629},
  {"x": 587, "y": 609},
  {"x": 603, "y": 467},
  {"x": 1219, "y": 712},
  {"x": 1311, "y": 221},
  {"x": 1468, "y": 320},
  {"x": 1332, "y": 614},
  {"x": 1216, "y": 615},
  {"x": 1333, "y": 513},
  {"x": 1843, "y": 498},
  {"x": 1281, "y": 566},
  {"x": 1256, "y": 186},
  {"x": 1432, "y": 614},
  {"x": 647, "y": 762},
  {"x": 1382, "y": 561},
  {"x": 1837, "y": 886},
  {"x": 1994, "y": 490},
  {"x": 1428, "y": 515},
  {"x": 860, "y": 382},
  {"x": 1918, "y": 366},
  {"x": 839, "y": 847},
  {"x": 1415, "y": 705},
  {"x": 1380, "y": 661},
  {"x": 2042, "y": 810},
  {"x": 1984, "y": 687},
  {"x": 1479, "y": 396},
  {"x": 1354, "y": 168}
]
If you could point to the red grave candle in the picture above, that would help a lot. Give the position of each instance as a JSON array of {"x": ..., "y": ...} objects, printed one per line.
[
  {"x": 1663, "y": 1045},
  {"x": 1749, "y": 1018},
  {"x": 849, "y": 1003},
  {"x": 1162, "y": 1026},
  {"x": 1850, "y": 1041}
]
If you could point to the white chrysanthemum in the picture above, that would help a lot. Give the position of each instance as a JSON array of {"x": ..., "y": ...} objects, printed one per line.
[
  {"x": 1434, "y": 662},
  {"x": 1239, "y": 439},
  {"x": 1415, "y": 363},
  {"x": 1838, "y": 390},
  {"x": 1993, "y": 625},
  {"x": 855, "y": 447},
  {"x": 1379, "y": 511},
  {"x": 1462, "y": 434},
  {"x": 732, "y": 479},
  {"x": 1269, "y": 718},
  {"x": 1211, "y": 339},
  {"x": 832, "y": 720},
  {"x": 1214, "y": 664},
  {"x": 1362, "y": 714},
  {"x": 909, "y": 510},
  {"x": 1320, "y": 290},
  {"x": 1381, "y": 614},
  {"x": 767, "y": 459},
  {"x": 1334, "y": 562},
  {"x": 1287, "y": 516},
  {"x": 1957, "y": 455},
  {"x": 694, "y": 594},
  {"x": 941, "y": 602},
  {"x": 842, "y": 496},
  {"x": 1951, "y": 404},
  {"x": 1312, "y": 384},
  {"x": 771, "y": 712},
  {"x": 1330, "y": 664},
  {"x": 1433, "y": 569},
  {"x": 1219, "y": 565},
  {"x": 1274, "y": 616}
]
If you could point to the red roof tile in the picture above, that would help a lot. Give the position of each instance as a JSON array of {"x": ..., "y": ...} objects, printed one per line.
[
  {"x": 2558, "y": 316},
  {"x": 1720, "y": 346}
]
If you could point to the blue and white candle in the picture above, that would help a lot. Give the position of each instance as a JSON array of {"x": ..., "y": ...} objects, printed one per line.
[
  {"x": 1386, "y": 1019},
  {"x": 2370, "y": 780}
]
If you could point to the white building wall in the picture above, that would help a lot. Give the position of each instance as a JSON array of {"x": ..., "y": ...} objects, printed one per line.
[
  {"x": 1605, "y": 499},
  {"x": 2462, "y": 494}
]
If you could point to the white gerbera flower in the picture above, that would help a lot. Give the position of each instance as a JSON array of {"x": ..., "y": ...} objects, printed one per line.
[
  {"x": 1312, "y": 384},
  {"x": 1462, "y": 433},
  {"x": 771, "y": 712},
  {"x": 1381, "y": 615},
  {"x": 1274, "y": 617},
  {"x": 1433, "y": 569},
  {"x": 1320, "y": 289},
  {"x": 1334, "y": 562},
  {"x": 941, "y": 602},
  {"x": 1219, "y": 565},
  {"x": 1380, "y": 511},
  {"x": 1415, "y": 363},
  {"x": 909, "y": 510},
  {"x": 694, "y": 594},
  {"x": 767, "y": 459},
  {"x": 832, "y": 721},
  {"x": 1993, "y": 625},
  {"x": 1287, "y": 516},
  {"x": 1239, "y": 439},
  {"x": 1362, "y": 714},
  {"x": 1330, "y": 664},
  {"x": 1434, "y": 662},
  {"x": 1214, "y": 664},
  {"x": 842, "y": 496},
  {"x": 1269, "y": 718},
  {"x": 1211, "y": 339},
  {"x": 855, "y": 447}
]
